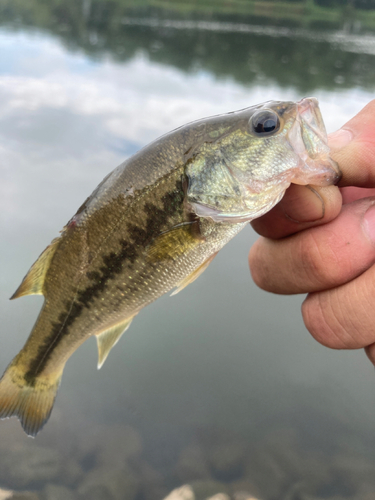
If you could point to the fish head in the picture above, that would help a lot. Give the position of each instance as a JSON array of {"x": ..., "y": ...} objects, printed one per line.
[{"x": 245, "y": 162}]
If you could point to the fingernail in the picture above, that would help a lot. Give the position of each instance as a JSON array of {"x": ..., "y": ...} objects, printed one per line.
[
  {"x": 308, "y": 208},
  {"x": 369, "y": 223},
  {"x": 339, "y": 139}
]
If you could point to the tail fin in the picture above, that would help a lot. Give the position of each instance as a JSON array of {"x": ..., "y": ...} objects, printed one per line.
[{"x": 30, "y": 401}]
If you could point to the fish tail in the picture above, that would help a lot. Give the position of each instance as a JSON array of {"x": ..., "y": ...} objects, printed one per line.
[{"x": 29, "y": 399}]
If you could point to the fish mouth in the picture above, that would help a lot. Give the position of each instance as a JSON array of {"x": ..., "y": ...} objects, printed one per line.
[{"x": 308, "y": 138}]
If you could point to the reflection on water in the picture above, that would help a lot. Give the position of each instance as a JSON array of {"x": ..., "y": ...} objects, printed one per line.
[
  {"x": 219, "y": 387},
  {"x": 246, "y": 48}
]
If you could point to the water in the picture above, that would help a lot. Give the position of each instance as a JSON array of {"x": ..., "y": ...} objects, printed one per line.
[{"x": 222, "y": 382}]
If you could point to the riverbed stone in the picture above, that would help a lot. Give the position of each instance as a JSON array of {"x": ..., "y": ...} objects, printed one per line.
[
  {"x": 72, "y": 472},
  {"x": 109, "y": 446},
  {"x": 25, "y": 495},
  {"x": 208, "y": 488},
  {"x": 355, "y": 472},
  {"x": 151, "y": 482},
  {"x": 191, "y": 464},
  {"x": 109, "y": 484},
  {"x": 245, "y": 488},
  {"x": 5, "y": 494},
  {"x": 226, "y": 460},
  {"x": 18, "y": 495},
  {"x": 57, "y": 492},
  {"x": 220, "y": 496},
  {"x": 244, "y": 495},
  {"x": 183, "y": 493},
  {"x": 278, "y": 459},
  {"x": 28, "y": 466}
]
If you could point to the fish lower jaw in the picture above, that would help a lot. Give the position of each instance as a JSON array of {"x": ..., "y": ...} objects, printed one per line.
[{"x": 318, "y": 171}]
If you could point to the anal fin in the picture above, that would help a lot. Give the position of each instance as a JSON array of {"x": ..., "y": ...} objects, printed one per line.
[
  {"x": 109, "y": 338},
  {"x": 32, "y": 283},
  {"x": 194, "y": 275}
]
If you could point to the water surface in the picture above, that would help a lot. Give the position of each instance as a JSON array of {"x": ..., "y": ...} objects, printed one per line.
[{"x": 222, "y": 369}]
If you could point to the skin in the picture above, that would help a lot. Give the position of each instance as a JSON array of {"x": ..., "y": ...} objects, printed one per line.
[{"x": 322, "y": 242}]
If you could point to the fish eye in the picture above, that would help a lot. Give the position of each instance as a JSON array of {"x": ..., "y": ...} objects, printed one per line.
[{"x": 264, "y": 122}]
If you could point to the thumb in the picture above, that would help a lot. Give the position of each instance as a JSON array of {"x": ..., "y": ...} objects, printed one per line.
[{"x": 353, "y": 148}]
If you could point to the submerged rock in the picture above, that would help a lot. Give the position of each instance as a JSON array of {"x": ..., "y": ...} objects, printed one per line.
[
  {"x": 244, "y": 490},
  {"x": 279, "y": 466},
  {"x": 219, "y": 496},
  {"x": 109, "y": 446},
  {"x": 109, "y": 484},
  {"x": 226, "y": 460},
  {"x": 57, "y": 492},
  {"x": 183, "y": 493},
  {"x": 29, "y": 467},
  {"x": 151, "y": 482},
  {"x": 24, "y": 495},
  {"x": 5, "y": 494},
  {"x": 192, "y": 464},
  {"x": 243, "y": 495},
  {"x": 208, "y": 488}
]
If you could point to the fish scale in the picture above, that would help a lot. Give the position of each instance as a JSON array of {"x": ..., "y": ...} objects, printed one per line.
[{"x": 152, "y": 225}]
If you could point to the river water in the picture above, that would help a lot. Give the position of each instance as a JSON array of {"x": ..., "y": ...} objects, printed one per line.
[{"x": 221, "y": 386}]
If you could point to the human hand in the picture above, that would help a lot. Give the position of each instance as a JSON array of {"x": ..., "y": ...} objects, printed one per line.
[{"x": 321, "y": 241}]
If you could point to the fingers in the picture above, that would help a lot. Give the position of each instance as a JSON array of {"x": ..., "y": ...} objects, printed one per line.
[
  {"x": 344, "y": 317},
  {"x": 325, "y": 248},
  {"x": 350, "y": 194},
  {"x": 302, "y": 207},
  {"x": 319, "y": 258},
  {"x": 353, "y": 147}
]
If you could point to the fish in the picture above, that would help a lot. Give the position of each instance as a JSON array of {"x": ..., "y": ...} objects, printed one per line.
[{"x": 153, "y": 225}]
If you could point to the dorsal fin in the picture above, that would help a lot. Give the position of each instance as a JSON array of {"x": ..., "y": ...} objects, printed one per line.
[
  {"x": 109, "y": 338},
  {"x": 32, "y": 283}
]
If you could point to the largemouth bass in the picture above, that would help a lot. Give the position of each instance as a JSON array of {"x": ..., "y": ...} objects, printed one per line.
[{"x": 152, "y": 225}]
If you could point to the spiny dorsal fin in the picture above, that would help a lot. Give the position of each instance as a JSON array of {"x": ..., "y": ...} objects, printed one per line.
[
  {"x": 109, "y": 338},
  {"x": 32, "y": 283},
  {"x": 194, "y": 275}
]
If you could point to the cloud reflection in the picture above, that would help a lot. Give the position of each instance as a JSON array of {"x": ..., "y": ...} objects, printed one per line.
[{"x": 62, "y": 112}]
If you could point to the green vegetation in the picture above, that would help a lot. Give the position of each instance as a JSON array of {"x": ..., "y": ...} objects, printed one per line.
[
  {"x": 304, "y": 58},
  {"x": 302, "y": 12}
]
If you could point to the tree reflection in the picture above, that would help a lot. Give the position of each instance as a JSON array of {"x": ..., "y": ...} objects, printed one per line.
[{"x": 306, "y": 59}]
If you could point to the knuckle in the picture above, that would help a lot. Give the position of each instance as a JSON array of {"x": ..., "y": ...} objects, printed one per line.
[
  {"x": 323, "y": 261},
  {"x": 327, "y": 317},
  {"x": 321, "y": 321},
  {"x": 311, "y": 261}
]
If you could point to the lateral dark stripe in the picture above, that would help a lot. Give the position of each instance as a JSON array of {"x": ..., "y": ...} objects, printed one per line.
[{"x": 113, "y": 264}]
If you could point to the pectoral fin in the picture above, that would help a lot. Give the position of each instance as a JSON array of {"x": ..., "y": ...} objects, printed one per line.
[
  {"x": 194, "y": 275},
  {"x": 109, "y": 338},
  {"x": 173, "y": 243},
  {"x": 33, "y": 282}
]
